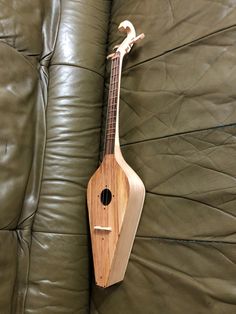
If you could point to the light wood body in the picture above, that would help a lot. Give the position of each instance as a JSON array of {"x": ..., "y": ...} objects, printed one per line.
[
  {"x": 111, "y": 249},
  {"x": 113, "y": 225}
]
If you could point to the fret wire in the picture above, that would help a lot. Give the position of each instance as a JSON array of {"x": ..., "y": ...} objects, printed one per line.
[
  {"x": 112, "y": 106},
  {"x": 111, "y": 130}
]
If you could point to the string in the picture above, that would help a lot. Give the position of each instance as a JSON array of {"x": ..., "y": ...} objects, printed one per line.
[
  {"x": 112, "y": 106},
  {"x": 107, "y": 116}
]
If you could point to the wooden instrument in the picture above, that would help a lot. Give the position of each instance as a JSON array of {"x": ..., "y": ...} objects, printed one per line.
[{"x": 115, "y": 193}]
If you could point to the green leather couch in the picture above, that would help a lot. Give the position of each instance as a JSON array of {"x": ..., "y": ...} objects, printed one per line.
[{"x": 177, "y": 130}]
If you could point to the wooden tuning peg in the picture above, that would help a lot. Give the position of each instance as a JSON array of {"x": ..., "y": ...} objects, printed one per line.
[
  {"x": 136, "y": 39},
  {"x": 110, "y": 56},
  {"x": 116, "y": 47}
]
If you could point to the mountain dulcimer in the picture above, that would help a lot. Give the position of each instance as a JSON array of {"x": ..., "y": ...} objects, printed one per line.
[{"x": 115, "y": 193}]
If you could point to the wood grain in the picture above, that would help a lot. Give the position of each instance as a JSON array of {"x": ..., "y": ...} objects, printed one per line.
[
  {"x": 111, "y": 249},
  {"x": 113, "y": 224}
]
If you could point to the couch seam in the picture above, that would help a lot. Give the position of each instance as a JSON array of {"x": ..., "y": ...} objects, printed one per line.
[
  {"x": 179, "y": 134},
  {"x": 178, "y": 240},
  {"x": 23, "y": 57},
  {"x": 77, "y": 66}
]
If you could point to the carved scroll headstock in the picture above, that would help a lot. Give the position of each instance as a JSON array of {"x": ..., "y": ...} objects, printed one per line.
[{"x": 131, "y": 38}]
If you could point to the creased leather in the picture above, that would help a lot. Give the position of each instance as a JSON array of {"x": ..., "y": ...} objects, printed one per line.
[
  {"x": 75, "y": 94},
  {"x": 177, "y": 131},
  {"x": 22, "y": 136}
]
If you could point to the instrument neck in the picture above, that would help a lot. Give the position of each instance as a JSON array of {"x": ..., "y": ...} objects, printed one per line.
[{"x": 112, "y": 123}]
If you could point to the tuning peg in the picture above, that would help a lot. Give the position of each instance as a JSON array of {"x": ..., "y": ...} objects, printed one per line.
[
  {"x": 136, "y": 39},
  {"x": 110, "y": 56},
  {"x": 116, "y": 47}
]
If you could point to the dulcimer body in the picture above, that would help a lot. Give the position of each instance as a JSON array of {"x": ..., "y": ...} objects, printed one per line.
[
  {"x": 115, "y": 201},
  {"x": 115, "y": 193}
]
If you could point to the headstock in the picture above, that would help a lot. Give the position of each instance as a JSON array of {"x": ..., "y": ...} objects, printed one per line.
[{"x": 131, "y": 38}]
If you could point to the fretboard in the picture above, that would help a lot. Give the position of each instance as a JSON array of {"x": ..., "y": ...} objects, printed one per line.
[{"x": 110, "y": 131}]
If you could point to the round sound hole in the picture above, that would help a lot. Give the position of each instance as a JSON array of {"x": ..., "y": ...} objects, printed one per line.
[{"x": 106, "y": 197}]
